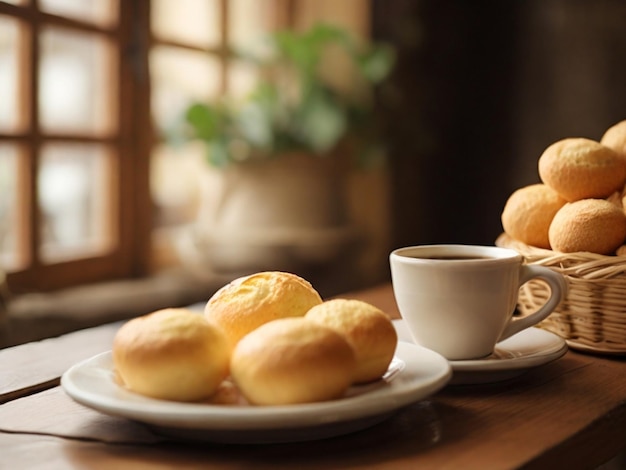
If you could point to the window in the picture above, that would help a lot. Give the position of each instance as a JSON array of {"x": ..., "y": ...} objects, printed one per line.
[
  {"x": 70, "y": 165},
  {"x": 87, "y": 191}
]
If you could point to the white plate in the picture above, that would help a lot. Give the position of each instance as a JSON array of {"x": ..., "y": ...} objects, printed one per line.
[
  {"x": 527, "y": 349},
  {"x": 414, "y": 374}
]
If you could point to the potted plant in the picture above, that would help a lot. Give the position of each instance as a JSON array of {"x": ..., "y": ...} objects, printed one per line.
[{"x": 281, "y": 152}]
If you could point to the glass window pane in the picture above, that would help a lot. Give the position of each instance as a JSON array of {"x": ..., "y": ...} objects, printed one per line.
[
  {"x": 175, "y": 182},
  {"x": 242, "y": 78},
  {"x": 101, "y": 12},
  {"x": 12, "y": 79},
  {"x": 13, "y": 249},
  {"x": 76, "y": 92},
  {"x": 195, "y": 22},
  {"x": 249, "y": 21},
  {"x": 179, "y": 76},
  {"x": 75, "y": 201}
]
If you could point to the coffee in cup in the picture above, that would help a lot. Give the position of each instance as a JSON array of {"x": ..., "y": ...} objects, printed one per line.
[{"x": 459, "y": 300}]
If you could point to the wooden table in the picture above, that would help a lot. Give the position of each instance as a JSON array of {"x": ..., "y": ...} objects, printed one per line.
[{"x": 570, "y": 413}]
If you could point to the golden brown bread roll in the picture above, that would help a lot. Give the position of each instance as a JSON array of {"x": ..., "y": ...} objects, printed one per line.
[
  {"x": 171, "y": 354},
  {"x": 578, "y": 168},
  {"x": 616, "y": 199},
  {"x": 528, "y": 213},
  {"x": 615, "y": 138},
  {"x": 593, "y": 225},
  {"x": 248, "y": 302},
  {"x": 368, "y": 330},
  {"x": 292, "y": 360}
]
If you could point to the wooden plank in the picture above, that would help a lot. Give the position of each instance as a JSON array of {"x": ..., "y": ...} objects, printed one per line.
[
  {"x": 568, "y": 414},
  {"x": 38, "y": 365}
]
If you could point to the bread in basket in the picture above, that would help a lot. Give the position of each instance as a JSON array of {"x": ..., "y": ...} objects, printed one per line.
[{"x": 574, "y": 222}]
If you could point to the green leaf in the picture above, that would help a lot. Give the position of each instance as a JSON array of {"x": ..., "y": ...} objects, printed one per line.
[
  {"x": 255, "y": 124},
  {"x": 376, "y": 64},
  {"x": 217, "y": 153},
  {"x": 304, "y": 51},
  {"x": 295, "y": 52},
  {"x": 322, "y": 122},
  {"x": 204, "y": 121},
  {"x": 323, "y": 35}
]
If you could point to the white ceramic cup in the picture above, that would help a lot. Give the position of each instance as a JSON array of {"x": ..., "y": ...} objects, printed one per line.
[{"x": 458, "y": 300}]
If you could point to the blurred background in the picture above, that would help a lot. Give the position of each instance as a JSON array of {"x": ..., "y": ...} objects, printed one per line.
[
  {"x": 486, "y": 87},
  {"x": 104, "y": 216}
]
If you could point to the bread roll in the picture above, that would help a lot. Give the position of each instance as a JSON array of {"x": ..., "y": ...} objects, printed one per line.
[
  {"x": 368, "y": 330},
  {"x": 615, "y": 138},
  {"x": 579, "y": 168},
  {"x": 616, "y": 199},
  {"x": 292, "y": 360},
  {"x": 171, "y": 354},
  {"x": 528, "y": 213},
  {"x": 593, "y": 225},
  {"x": 248, "y": 302}
]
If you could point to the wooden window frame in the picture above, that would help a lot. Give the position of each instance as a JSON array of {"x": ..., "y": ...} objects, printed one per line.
[
  {"x": 283, "y": 16},
  {"x": 131, "y": 142}
]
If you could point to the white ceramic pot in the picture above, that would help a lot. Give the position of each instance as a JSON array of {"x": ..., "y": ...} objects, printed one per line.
[{"x": 278, "y": 214}]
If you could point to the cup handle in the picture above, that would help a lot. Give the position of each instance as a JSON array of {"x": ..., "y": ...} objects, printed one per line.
[{"x": 558, "y": 289}]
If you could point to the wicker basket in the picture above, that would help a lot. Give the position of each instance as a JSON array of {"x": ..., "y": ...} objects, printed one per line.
[{"x": 592, "y": 317}]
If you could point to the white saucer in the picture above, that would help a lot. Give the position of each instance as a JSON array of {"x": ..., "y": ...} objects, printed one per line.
[
  {"x": 529, "y": 348},
  {"x": 414, "y": 374}
]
